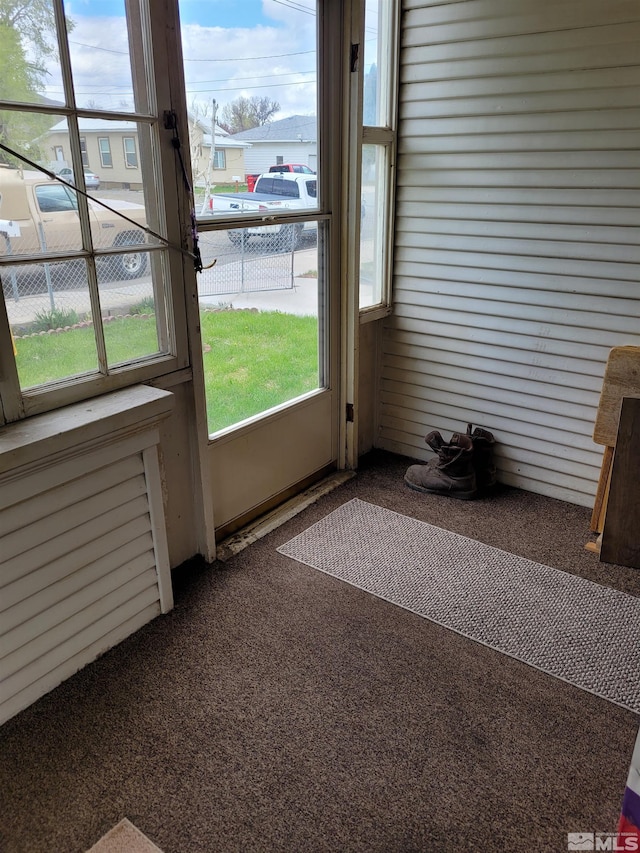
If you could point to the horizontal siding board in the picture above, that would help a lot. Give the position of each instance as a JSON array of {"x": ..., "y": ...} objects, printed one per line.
[
  {"x": 626, "y": 220},
  {"x": 44, "y": 653},
  {"x": 29, "y": 603},
  {"x": 505, "y": 339},
  {"x": 39, "y": 507},
  {"x": 134, "y": 534},
  {"x": 445, "y": 375},
  {"x": 67, "y": 543},
  {"x": 604, "y": 118},
  {"x": 494, "y": 19},
  {"x": 567, "y": 140},
  {"x": 560, "y": 161},
  {"x": 27, "y": 641},
  {"x": 59, "y": 663},
  {"x": 541, "y": 198},
  {"x": 478, "y": 86},
  {"x": 434, "y": 387},
  {"x": 547, "y": 333},
  {"x": 417, "y": 276},
  {"x": 621, "y": 52},
  {"x": 616, "y": 236},
  {"x": 543, "y": 306},
  {"x": 527, "y": 178},
  {"x": 604, "y": 98},
  {"x": 410, "y": 350},
  {"x": 570, "y": 267},
  {"x": 75, "y": 661},
  {"x": 56, "y": 524},
  {"x": 546, "y": 46},
  {"x": 448, "y": 417}
]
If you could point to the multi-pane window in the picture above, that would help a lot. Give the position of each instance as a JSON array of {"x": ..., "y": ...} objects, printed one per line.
[
  {"x": 219, "y": 160},
  {"x": 378, "y": 151},
  {"x": 85, "y": 306},
  {"x": 104, "y": 145},
  {"x": 130, "y": 153}
]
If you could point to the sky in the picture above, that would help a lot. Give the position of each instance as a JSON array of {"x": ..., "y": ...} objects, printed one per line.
[{"x": 231, "y": 48}]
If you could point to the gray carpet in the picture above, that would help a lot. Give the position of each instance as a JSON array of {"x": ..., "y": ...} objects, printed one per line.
[{"x": 576, "y": 630}]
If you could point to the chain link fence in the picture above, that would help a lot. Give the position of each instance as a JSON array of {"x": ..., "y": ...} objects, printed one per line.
[
  {"x": 252, "y": 261},
  {"x": 40, "y": 296}
]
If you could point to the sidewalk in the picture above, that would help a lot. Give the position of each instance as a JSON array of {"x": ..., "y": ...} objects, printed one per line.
[{"x": 118, "y": 297}]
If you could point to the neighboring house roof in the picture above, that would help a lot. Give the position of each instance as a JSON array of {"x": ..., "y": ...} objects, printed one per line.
[
  {"x": 292, "y": 129},
  {"x": 101, "y": 125},
  {"x": 95, "y": 125},
  {"x": 224, "y": 142}
]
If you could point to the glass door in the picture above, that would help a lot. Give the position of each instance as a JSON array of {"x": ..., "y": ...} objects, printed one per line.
[{"x": 256, "y": 78}]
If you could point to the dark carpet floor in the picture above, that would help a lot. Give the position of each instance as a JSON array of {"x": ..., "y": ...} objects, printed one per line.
[{"x": 279, "y": 709}]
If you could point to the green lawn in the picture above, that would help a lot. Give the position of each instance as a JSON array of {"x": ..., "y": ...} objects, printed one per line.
[
  {"x": 252, "y": 361},
  {"x": 256, "y": 361}
]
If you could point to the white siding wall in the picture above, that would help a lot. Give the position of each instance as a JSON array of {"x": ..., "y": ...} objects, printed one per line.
[
  {"x": 518, "y": 214},
  {"x": 261, "y": 155}
]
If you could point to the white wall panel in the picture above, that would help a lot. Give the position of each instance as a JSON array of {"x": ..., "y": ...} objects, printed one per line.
[{"x": 517, "y": 261}]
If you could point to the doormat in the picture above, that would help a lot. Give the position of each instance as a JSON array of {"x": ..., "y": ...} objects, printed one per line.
[
  {"x": 571, "y": 628},
  {"x": 124, "y": 838}
]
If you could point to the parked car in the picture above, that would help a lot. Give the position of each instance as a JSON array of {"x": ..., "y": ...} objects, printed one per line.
[
  {"x": 91, "y": 181},
  {"x": 292, "y": 167},
  {"x": 279, "y": 193},
  {"x": 38, "y": 214}
]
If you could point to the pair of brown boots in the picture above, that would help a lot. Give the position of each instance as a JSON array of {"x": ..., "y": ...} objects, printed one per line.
[{"x": 463, "y": 469}]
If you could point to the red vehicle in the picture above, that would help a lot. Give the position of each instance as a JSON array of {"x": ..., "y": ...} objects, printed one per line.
[
  {"x": 292, "y": 167},
  {"x": 280, "y": 167}
]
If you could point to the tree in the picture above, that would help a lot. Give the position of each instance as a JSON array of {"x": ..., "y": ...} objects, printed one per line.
[
  {"x": 27, "y": 31},
  {"x": 246, "y": 113}
]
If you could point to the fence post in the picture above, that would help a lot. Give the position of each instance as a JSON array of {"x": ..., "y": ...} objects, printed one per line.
[
  {"x": 12, "y": 272},
  {"x": 47, "y": 272}
]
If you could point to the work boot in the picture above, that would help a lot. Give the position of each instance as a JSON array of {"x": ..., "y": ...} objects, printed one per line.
[
  {"x": 483, "y": 463},
  {"x": 452, "y": 473}
]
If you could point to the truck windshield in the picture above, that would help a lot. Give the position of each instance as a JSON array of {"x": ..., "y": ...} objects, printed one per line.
[{"x": 53, "y": 198}]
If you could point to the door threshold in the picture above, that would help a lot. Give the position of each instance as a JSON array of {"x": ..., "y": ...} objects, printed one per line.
[{"x": 265, "y": 524}]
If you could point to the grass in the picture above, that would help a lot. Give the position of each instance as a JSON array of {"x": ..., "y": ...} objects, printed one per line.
[
  {"x": 252, "y": 361},
  {"x": 48, "y": 358}
]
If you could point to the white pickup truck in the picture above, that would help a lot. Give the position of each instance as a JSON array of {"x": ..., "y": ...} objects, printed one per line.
[
  {"x": 40, "y": 215},
  {"x": 274, "y": 193}
]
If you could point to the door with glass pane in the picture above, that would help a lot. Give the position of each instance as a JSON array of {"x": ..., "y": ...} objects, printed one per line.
[{"x": 255, "y": 84}]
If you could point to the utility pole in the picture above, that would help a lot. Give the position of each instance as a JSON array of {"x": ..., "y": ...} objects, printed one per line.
[{"x": 209, "y": 187}]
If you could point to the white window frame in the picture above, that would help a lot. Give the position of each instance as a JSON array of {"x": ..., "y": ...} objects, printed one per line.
[
  {"x": 127, "y": 154},
  {"x": 167, "y": 205},
  {"x": 104, "y": 152},
  {"x": 220, "y": 154},
  {"x": 384, "y": 135}
]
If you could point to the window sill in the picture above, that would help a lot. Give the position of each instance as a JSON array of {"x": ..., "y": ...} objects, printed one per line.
[{"x": 27, "y": 441}]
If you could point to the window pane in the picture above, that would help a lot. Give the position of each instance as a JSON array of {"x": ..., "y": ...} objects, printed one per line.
[
  {"x": 130, "y": 154},
  {"x": 51, "y": 321},
  {"x": 135, "y": 324},
  {"x": 100, "y": 56},
  {"x": 259, "y": 320},
  {"x": 250, "y": 76},
  {"x": 373, "y": 227},
  {"x": 28, "y": 52},
  {"x": 377, "y": 72},
  {"x": 104, "y": 147}
]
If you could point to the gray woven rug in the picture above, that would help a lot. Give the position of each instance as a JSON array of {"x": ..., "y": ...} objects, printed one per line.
[{"x": 568, "y": 627}]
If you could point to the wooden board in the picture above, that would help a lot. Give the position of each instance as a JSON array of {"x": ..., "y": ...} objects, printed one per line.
[
  {"x": 621, "y": 534},
  {"x": 621, "y": 379}
]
